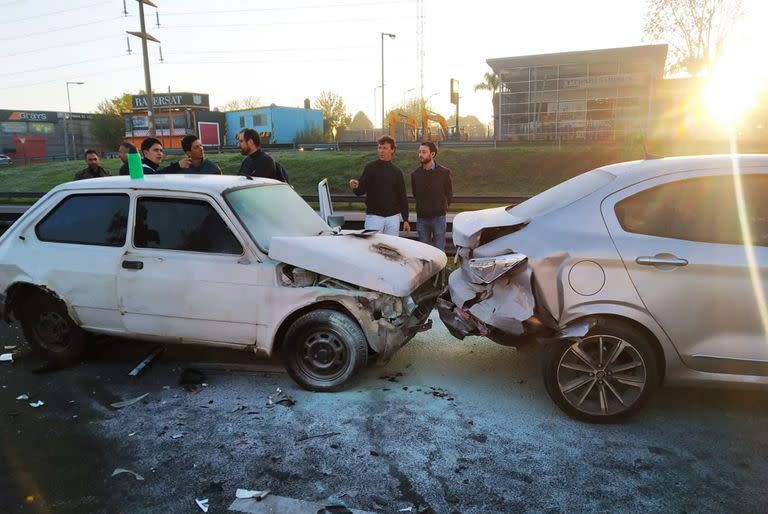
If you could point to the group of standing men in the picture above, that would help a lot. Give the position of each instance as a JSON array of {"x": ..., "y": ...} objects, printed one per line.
[
  {"x": 383, "y": 185},
  {"x": 382, "y": 181}
]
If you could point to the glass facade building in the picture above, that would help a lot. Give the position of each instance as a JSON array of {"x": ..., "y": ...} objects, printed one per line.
[{"x": 593, "y": 95}]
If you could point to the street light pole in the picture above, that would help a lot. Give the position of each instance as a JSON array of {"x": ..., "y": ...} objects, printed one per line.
[
  {"x": 390, "y": 36},
  {"x": 66, "y": 122}
]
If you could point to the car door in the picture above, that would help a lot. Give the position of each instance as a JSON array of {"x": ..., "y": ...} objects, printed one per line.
[
  {"x": 186, "y": 275},
  {"x": 688, "y": 253},
  {"x": 75, "y": 249}
]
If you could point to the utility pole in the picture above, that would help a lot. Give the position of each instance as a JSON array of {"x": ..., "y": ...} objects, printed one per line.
[
  {"x": 147, "y": 82},
  {"x": 383, "y": 114}
]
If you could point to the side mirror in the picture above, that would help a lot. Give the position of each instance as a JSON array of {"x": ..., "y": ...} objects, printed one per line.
[{"x": 336, "y": 221}]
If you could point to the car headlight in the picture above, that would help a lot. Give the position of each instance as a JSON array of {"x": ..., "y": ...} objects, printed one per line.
[{"x": 488, "y": 269}]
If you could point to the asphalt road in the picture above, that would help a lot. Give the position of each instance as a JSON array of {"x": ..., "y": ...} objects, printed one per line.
[{"x": 447, "y": 426}]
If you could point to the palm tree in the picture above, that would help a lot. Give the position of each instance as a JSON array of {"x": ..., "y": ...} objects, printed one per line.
[{"x": 492, "y": 83}]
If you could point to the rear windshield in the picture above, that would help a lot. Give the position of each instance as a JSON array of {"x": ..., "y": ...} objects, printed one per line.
[{"x": 562, "y": 194}]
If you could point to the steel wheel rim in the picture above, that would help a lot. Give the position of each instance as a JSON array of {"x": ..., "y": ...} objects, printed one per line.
[
  {"x": 601, "y": 375},
  {"x": 52, "y": 331},
  {"x": 323, "y": 355}
]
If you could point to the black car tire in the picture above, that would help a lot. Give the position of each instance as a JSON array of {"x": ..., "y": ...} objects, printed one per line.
[
  {"x": 595, "y": 385},
  {"x": 324, "y": 349},
  {"x": 49, "y": 329}
]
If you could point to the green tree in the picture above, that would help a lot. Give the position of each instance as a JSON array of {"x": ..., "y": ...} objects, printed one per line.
[
  {"x": 334, "y": 113},
  {"x": 249, "y": 102},
  {"x": 108, "y": 124},
  {"x": 694, "y": 30},
  {"x": 491, "y": 83},
  {"x": 361, "y": 122},
  {"x": 474, "y": 128}
]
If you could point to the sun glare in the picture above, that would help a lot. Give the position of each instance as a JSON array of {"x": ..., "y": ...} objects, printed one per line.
[{"x": 732, "y": 88}]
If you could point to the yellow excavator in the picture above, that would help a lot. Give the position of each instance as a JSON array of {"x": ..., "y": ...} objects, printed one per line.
[{"x": 411, "y": 126}]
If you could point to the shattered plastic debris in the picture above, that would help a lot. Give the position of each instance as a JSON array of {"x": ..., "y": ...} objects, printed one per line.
[
  {"x": 126, "y": 403},
  {"x": 177, "y": 435},
  {"x": 203, "y": 504},
  {"x": 22, "y": 397},
  {"x": 6, "y": 357},
  {"x": 119, "y": 471},
  {"x": 37, "y": 404},
  {"x": 280, "y": 398},
  {"x": 245, "y": 494},
  {"x": 135, "y": 372},
  {"x": 10, "y": 348}
]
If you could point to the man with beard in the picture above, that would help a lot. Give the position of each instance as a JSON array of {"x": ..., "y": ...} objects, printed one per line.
[
  {"x": 195, "y": 162},
  {"x": 94, "y": 169},
  {"x": 433, "y": 191},
  {"x": 122, "y": 153},
  {"x": 257, "y": 163}
]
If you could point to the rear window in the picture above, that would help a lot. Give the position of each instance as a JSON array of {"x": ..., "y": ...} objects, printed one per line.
[
  {"x": 88, "y": 219},
  {"x": 563, "y": 194}
]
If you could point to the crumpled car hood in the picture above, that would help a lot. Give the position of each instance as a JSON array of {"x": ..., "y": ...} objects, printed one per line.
[
  {"x": 468, "y": 226},
  {"x": 391, "y": 265}
]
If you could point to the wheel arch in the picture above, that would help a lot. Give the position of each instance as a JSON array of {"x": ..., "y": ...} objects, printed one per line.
[
  {"x": 18, "y": 290},
  {"x": 279, "y": 338},
  {"x": 658, "y": 351}
]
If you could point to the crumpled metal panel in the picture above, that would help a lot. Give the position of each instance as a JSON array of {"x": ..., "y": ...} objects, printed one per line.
[{"x": 509, "y": 303}]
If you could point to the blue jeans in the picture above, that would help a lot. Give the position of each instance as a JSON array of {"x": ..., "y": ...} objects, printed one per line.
[{"x": 432, "y": 231}]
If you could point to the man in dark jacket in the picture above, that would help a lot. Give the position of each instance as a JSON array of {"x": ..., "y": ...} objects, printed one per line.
[
  {"x": 433, "y": 191},
  {"x": 384, "y": 189},
  {"x": 257, "y": 163},
  {"x": 122, "y": 152},
  {"x": 152, "y": 156},
  {"x": 195, "y": 162},
  {"x": 94, "y": 169}
]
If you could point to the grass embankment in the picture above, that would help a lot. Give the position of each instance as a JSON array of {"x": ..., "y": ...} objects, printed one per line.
[{"x": 524, "y": 170}]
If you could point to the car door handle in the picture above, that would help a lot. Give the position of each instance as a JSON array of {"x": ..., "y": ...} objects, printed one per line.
[
  {"x": 133, "y": 265},
  {"x": 661, "y": 261}
]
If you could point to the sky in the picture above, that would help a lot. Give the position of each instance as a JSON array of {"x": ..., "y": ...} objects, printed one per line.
[{"x": 283, "y": 52}]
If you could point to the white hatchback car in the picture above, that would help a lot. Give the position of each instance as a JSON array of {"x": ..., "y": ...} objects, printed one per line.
[{"x": 215, "y": 260}]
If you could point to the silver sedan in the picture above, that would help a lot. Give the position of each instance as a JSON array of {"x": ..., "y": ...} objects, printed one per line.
[{"x": 632, "y": 275}]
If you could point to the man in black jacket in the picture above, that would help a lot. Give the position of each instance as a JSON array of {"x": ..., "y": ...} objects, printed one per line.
[
  {"x": 94, "y": 169},
  {"x": 433, "y": 191},
  {"x": 257, "y": 163},
  {"x": 384, "y": 189}
]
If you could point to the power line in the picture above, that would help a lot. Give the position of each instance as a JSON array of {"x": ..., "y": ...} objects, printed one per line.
[
  {"x": 251, "y": 25},
  {"x": 295, "y": 8},
  {"x": 263, "y": 50},
  {"x": 90, "y": 40},
  {"x": 14, "y": 20},
  {"x": 79, "y": 75},
  {"x": 20, "y": 36},
  {"x": 57, "y": 66}
]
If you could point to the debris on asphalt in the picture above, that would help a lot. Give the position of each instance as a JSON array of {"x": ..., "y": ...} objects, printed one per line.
[
  {"x": 407, "y": 509},
  {"x": 132, "y": 434},
  {"x": 391, "y": 378},
  {"x": 6, "y": 357},
  {"x": 177, "y": 435},
  {"x": 22, "y": 397},
  {"x": 214, "y": 487},
  {"x": 334, "y": 509},
  {"x": 38, "y": 403},
  {"x": 244, "y": 494},
  {"x": 280, "y": 398},
  {"x": 307, "y": 437},
  {"x": 203, "y": 504},
  {"x": 438, "y": 393},
  {"x": 374, "y": 453},
  {"x": 119, "y": 471},
  {"x": 135, "y": 372},
  {"x": 191, "y": 378},
  {"x": 126, "y": 403},
  {"x": 239, "y": 408},
  {"x": 10, "y": 347}
]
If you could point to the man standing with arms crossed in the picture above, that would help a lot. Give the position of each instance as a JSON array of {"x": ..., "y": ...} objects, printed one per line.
[
  {"x": 384, "y": 189},
  {"x": 432, "y": 188}
]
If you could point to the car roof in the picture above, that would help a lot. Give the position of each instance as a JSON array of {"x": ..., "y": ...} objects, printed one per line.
[
  {"x": 210, "y": 184},
  {"x": 635, "y": 171}
]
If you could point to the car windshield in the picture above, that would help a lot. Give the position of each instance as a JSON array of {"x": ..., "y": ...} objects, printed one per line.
[
  {"x": 267, "y": 211},
  {"x": 562, "y": 194}
]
